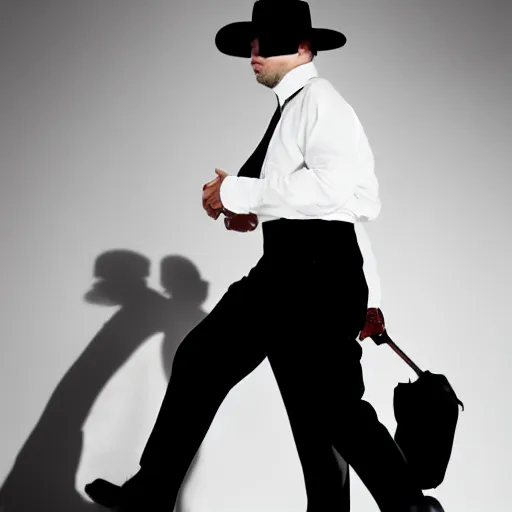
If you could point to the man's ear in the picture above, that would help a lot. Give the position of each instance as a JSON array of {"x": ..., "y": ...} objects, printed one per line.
[{"x": 305, "y": 46}]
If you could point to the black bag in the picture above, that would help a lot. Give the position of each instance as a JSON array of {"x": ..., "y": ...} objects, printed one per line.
[{"x": 426, "y": 412}]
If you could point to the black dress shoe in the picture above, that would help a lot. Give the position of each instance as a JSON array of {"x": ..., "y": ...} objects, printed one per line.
[
  {"x": 104, "y": 493},
  {"x": 139, "y": 493},
  {"x": 427, "y": 504}
]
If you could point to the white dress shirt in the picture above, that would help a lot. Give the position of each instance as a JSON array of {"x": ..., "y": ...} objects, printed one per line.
[{"x": 318, "y": 165}]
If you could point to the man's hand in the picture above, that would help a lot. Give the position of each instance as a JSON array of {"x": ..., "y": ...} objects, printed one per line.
[
  {"x": 374, "y": 323},
  {"x": 213, "y": 206},
  {"x": 211, "y": 195}
]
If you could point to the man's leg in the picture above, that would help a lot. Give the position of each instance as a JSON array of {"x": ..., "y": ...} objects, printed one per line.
[
  {"x": 366, "y": 444},
  {"x": 217, "y": 354},
  {"x": 316, "y": 361},
  {"x": 357, "y": 434},
  {"x": 296, "y": 354}
]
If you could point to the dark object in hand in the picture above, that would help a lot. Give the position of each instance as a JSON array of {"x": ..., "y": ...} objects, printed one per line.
[
  {"x": 426, "y": 412},
  {"x": 241, "y": 222}
]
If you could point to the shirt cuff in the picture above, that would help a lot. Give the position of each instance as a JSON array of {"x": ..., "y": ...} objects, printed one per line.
[
  {"x": 374, "y": 298},
  {"x": 241, "y": 194}
]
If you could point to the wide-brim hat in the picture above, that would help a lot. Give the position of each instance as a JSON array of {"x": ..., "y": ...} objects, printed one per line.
[{"x": 280, "y": 25}]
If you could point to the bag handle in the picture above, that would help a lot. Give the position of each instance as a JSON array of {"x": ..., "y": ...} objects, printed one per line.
[
  {"x": 384, "y": 338},
  {"x": 380, "y": 339}
]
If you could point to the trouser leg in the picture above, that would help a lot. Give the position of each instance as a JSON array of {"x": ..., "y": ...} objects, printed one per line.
[
  {"x": 303, "y": 337},
  {"x": 366, "y": 444},
  {"x": 217, "y": 354},
  {"x": 316, "y": 362},
  {"x": 361, "y": 439}
]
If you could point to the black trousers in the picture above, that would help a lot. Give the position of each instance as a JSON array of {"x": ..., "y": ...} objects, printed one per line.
[{"x": 302, "y": 306}]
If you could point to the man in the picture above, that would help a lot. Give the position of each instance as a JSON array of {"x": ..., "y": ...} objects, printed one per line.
[{"x": 305, "y": 301}]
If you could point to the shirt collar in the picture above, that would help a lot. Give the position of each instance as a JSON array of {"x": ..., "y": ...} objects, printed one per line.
[{"x": 294, "y": 80}]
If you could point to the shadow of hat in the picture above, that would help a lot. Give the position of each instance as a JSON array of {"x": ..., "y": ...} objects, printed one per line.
[
  {"x": 181, "y": 279},
  {"x": 117, "y": 271}
]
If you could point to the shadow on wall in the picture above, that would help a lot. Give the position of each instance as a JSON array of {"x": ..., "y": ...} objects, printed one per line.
[{"x": 43, "y": 475}]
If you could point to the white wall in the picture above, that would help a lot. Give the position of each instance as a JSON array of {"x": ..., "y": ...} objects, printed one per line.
[{"x": 114, "y": 113}]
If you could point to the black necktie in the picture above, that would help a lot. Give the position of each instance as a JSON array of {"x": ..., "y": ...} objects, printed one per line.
[{"x": 252, "y": 168}]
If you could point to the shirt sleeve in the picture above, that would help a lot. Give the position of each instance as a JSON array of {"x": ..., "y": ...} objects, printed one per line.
[
  {"x": 369, "y": 267},
  {"x": 328, "y": 178}
]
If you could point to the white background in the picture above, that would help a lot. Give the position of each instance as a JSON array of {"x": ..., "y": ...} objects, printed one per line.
[{"x": 114, "y": 113}]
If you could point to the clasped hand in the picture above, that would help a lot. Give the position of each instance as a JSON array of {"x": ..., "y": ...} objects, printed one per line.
[
  {"x": 374, "y": 325},
  {"x": 213, "y": 206}
]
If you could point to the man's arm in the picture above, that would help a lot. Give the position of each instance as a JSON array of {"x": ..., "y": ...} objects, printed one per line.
[
  {"x": 369, "y": 266},
  {"x": 374, "y": 324},
  {"x": 328, "y": 178}
]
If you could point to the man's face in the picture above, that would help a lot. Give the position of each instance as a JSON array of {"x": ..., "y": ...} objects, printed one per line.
[{"x": 268, "y": 70}]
